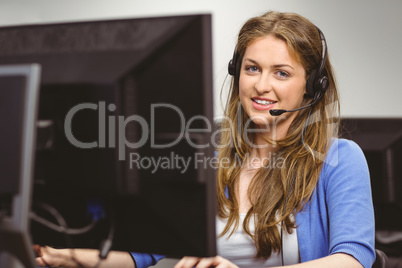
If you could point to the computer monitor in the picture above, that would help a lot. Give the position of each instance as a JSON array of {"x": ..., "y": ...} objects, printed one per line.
[
  {"x": 381, "y": 142},
  {"x": 124, "y": 132},
  {"x": 19, "y": 92}
]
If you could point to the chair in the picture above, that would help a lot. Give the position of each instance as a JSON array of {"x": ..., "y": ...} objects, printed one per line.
[{"x": 380, "y": 259}]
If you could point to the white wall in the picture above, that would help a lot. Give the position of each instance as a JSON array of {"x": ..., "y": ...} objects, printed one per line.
[{"x": 364, "y": 37}]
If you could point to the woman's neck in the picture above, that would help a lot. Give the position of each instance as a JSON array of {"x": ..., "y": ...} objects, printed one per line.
[{"x": 261, "y": 147}]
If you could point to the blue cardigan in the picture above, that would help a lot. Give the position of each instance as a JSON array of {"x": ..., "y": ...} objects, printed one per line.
[{"x": 339, "y": 217}]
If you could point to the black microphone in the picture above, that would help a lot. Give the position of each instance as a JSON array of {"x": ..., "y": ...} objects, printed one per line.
[{"x": 277, "y": 112}]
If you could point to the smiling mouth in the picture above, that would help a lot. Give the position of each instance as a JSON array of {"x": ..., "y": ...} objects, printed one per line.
[{"x": 263, "y": 102}]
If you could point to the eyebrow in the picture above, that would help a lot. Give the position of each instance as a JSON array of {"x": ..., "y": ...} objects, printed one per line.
[{"x": 274, "y": 66}]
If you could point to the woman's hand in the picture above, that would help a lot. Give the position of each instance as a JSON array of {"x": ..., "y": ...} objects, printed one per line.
[
  {"x": 70, "y": 258},
  {"x": 217, "y": 262},
  {"x": 48, "y": 256}
]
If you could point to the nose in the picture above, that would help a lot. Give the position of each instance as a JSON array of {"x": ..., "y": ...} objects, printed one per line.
[{"x": 263, "y": 84}]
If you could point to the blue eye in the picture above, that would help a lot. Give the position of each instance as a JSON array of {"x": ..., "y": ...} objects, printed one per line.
[
  {"x": 252, "y": 69},
  {"x": 282, "y": 74}
]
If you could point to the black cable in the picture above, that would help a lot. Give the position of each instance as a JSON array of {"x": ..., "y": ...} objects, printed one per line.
[
  {"x": 291, "y": 185},
  {"x": 107, "y": 243}
]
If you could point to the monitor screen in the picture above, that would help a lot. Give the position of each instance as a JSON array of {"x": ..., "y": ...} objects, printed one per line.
[
  {"x": 12, "y": 106},
  {"x": 381, "y": 142},
  {"x": 124, "y": 133}
]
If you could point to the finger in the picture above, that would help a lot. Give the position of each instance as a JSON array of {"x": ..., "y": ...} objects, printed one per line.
[
  {"x": 40, "y": 262},
  {"x": 207, "y": 263},
  {"x": 187, "y": 262},
  {"x": 216, "y": 262},
  {"x": 37, "y": 250},
  {"x": 47, "y": 256}
]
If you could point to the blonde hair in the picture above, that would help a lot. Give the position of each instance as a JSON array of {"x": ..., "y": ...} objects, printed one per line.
[{"x": 302, "y": 151}]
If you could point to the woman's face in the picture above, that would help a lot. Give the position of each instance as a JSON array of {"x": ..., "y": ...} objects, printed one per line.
[{"x": 270, "y": 78}]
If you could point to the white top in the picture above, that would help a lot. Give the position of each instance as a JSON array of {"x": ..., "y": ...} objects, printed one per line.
[{"x": 240, "y": 248}]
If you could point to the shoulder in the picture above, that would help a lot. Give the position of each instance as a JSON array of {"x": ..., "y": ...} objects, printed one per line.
[
  {"x": 345, "y": 161},
  {"x": 343, "y": 150}
]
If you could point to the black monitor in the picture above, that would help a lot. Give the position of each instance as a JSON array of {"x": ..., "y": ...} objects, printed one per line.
[
  {"x": 381, "y": 142},
  {"x": 124, "y": 145},
  {"x": 19, "y": 92}
]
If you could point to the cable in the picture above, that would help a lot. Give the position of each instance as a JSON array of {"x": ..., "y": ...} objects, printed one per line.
[
  {"x": 59, "y": 228},
  {"x": 107, "y": 243},
  {"x": 62, "y": 228},
  {"x": 293, "y": 180}
]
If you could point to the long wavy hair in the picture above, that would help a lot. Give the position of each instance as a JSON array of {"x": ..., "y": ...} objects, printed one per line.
[{"x": 276, "y": 192}]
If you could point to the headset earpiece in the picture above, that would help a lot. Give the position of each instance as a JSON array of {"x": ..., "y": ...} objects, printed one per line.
[
  {"x": 315, "y": 85},
  {"x": 322, "y": 83},
  {"x": 232, "y": 66}
]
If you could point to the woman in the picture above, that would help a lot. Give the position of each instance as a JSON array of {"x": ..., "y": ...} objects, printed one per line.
[
  {"x": 288, "y": 175},
  {"x": 292, "y": 192}
]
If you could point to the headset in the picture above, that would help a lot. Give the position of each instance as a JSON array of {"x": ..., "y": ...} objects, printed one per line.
[{"x": 316, "y": 85}]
